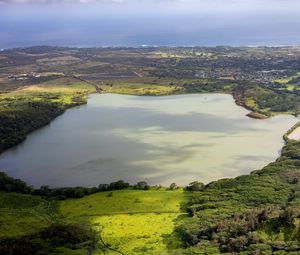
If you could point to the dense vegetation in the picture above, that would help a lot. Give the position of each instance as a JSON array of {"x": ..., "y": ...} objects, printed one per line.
[
  {"x": 128, "y": 219},
  {"x": 79, "y": 192},
  {"x": 55, "y": 239},
  {"x": 26, "y": 110},
  {"x": 270, "y": 101},
  {"x": 252, "y": 214},
  {"x": 9, "y": 184}
]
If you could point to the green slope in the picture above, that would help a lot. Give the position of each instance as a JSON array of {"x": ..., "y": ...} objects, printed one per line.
[
  {"x": 131, "y": 221},
  {"x": 24, "y": 214},
  {"x": 252, "y": 214}
]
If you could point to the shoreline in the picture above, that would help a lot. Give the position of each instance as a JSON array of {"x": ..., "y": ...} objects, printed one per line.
[
  {"x": 228, "y": 95},
  {"x": 293, "y": 133},
  {"x": 237, "y": 99}
]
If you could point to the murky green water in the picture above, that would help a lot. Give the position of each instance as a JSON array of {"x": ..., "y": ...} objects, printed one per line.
[{"x": 158, "y": 139}]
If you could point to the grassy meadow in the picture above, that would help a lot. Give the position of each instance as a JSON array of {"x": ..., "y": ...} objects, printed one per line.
[
  {"x": 123, "y": 221},
  {"x": 22, "y": 214},
  {"x": 140, "y": 89},
  {"x": 131, "y": 221}
]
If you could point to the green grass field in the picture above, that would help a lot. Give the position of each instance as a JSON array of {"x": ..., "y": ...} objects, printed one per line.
[
  {"x": 131, "y": 221},
  {"x": 140, "y": 89},
  {"x": 24, "y": 214},
  {"x": 287, "y": 79}
]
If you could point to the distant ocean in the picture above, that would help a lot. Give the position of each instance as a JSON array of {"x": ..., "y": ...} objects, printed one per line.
[{"x": 87, "y": 27}]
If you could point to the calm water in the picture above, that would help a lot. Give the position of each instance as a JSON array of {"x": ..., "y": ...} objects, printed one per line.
[
  {"x": 158, "y": 139},
  {"x": 149, "y": 22}
]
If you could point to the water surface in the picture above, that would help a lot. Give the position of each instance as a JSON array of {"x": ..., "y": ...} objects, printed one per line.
[
  {"x": 149, "y": 22},
  {"x": 158, "y": 139}
]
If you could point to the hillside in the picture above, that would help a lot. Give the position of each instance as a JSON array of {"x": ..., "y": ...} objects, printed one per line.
[
  {"x": 131, "y": 221},
  {"x": 120, "y": 221},
  {"x": 252, "y": 214}
]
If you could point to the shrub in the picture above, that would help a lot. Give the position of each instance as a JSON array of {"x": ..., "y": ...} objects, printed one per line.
[
  {"x": 118, "y": 185},
  {"x": 142, "y": 185},
  {"x": 9, "y": 184},
  {"x": 195, "y": 186}
]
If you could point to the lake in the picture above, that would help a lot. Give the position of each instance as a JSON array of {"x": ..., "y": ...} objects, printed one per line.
[{"x": 161, "y": 140}]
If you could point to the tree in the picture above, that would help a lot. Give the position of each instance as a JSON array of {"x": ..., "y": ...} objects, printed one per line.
[
  {"x": 103, "y": 187},
  {"x": 173, "y": 186},
  {"x": 195, "y": 186},
  {"x": 142, "y": 185},
  {"x": 118, "y": 185},
  {"x": 9, "y": 184}
]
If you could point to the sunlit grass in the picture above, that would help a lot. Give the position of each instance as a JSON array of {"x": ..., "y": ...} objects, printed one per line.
[
  {"x": 287, "y": 79},
  {"x": 124, "y": 201},
  {"x": 143, "y": 89},
  {"x": 131, "y": 221},
  {"x": 65, "y": 95},
  {"x": 142, "y": 233},
  {"x": 250, "y": 103}
]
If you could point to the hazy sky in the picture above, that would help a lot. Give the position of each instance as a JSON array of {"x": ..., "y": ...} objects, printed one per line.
[
  {"x": 151, "y": 22},
  {"x": 173, "y": 4}
]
